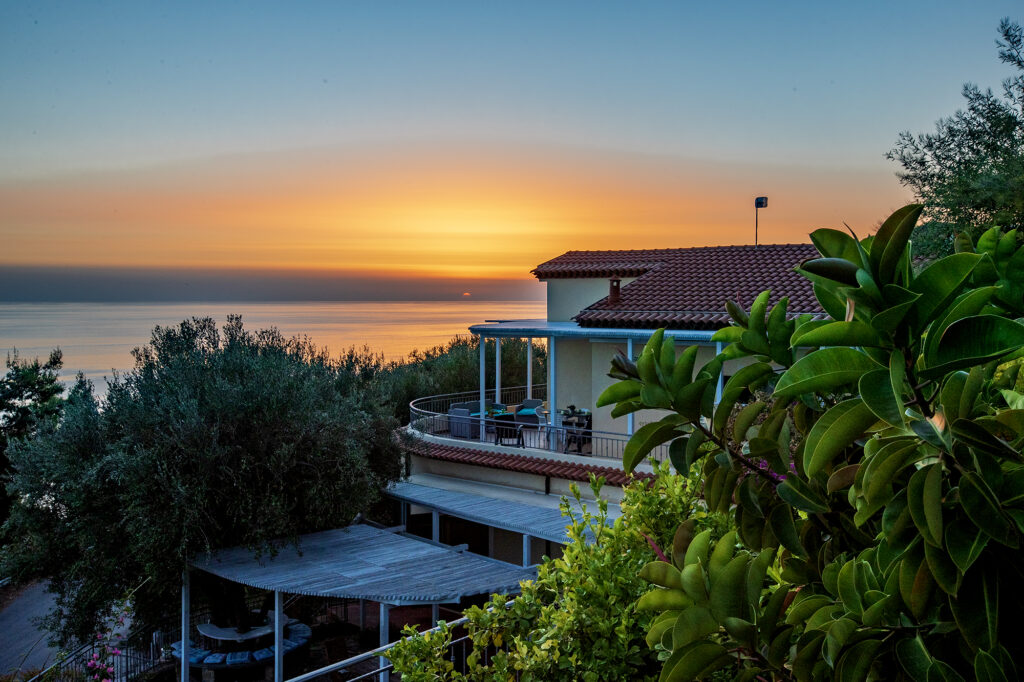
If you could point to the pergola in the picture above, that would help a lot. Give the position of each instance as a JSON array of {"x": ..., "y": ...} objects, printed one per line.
[{"x": 358, "y": 562}]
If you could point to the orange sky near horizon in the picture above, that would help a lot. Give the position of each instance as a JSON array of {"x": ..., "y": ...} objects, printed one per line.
[{"x": 437, "y": 212}]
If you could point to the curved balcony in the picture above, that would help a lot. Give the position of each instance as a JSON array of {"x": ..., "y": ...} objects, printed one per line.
[{"x": 434, "y": 416}]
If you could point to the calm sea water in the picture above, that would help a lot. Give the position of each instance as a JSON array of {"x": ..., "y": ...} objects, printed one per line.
[{"x": 98, "y": 337}]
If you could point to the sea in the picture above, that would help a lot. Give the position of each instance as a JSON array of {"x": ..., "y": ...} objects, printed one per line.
[{"x": 97, "y": 338}]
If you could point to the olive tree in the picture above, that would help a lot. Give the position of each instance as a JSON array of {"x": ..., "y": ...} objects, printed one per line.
[{"x": 212, "y": 440}]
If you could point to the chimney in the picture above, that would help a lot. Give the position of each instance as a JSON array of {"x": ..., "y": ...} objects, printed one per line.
[{"x": 613, "y": 290}]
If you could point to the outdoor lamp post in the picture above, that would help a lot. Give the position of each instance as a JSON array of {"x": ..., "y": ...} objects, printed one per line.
[{"x": 759, "y": 202}]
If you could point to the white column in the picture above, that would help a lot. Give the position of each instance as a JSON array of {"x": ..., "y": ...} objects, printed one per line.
[
  {"x": 384, "y": 609},
  {"x": 279, "y": 621},
  {"x": 629, "y": 354},
  {"x": 526, "y": 549},
  {"x": 435, "y": 526},
  {"x": 552, "y": 398},
  {"x": 718, "y": 388},
  {"x": 185, "y": 617},
  {"x": 483, "y": 388},
  {"x": 529, "y": 367},
  {"x": 497, "y": 369}
]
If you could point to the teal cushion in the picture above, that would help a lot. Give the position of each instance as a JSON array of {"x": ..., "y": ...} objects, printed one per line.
[
  {"x": 238, "y": 658},
  {"x": 528, "y": 410},
  {"x": 213, "y": 659},
  {"x": 263, "y": 654}
]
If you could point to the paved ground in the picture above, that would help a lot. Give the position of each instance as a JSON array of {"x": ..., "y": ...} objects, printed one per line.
[{"x": 21, "y": 644}]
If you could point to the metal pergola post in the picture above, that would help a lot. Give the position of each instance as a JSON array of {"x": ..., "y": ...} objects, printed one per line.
[
  {"x": 526, "y": 549},
  {"x": 384, "y": 614},
  {"x": 279, "y": 621},
  {"x": 483, "y": 388},
  {"x": 529, "y": 366},
  {"x": 186, "y": 616},
  {"x": 497, "y": 369}
]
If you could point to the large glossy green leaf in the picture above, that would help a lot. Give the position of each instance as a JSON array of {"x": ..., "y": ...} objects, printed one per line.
[
  {"x": 914, "y": 657},
  {"x": 799, "y": 494},
  {"x": 837, "y": 334},
  {"x": 891, "y": 241},
  {"x": 835, "y": 244},
  {"x": 646, "y": 438},
  {"x": 939, "y": 284},
  {"x": 693, "y": 624},
  {"x": 976, "y": 609},
  {"x": 942, "y": 672},
  {"x": 964, "y": 542},
  {"x": 757, "y": 311},
  {"x": 967, "y": 304},
  {"x": 834, "y": 432},
  {"x": 694, "y": 661},
  {"x": 728, "y": 589},
  {"x": 900, "y": 301},
  {"x": 824, "y": 370},
  {"x": 924, "y": 497},
  {"x": 781, "y": 521},
  {"x": 835, "y": 269},
  {"x": 619, "y": 391},
  {"x": 735, "y": 387},
  {"x": 973, "y": 341},
  {"x": 876, "y": 392},
  {"x": 832, "y": 302},
  {"x": 982, "y": 508},
  {"x": 988, "y": 669},
  {"x": 855, "y": 663},
  {"x": 884, "y": 467}
]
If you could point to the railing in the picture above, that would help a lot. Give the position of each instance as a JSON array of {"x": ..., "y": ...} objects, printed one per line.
[
  {"x": 74, "y": 667},
  {"x": 382, "y": 668},
  {"x": 430, "y": 416}
]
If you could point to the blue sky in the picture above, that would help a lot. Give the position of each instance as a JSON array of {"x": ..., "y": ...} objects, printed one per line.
[{"x": 96, "y": 94}]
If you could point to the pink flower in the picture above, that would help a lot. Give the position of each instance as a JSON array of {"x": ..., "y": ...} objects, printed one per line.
[
  {"x": 117, "y": 652},
  {"x": 110, "y": 669},
  {"x": 90, "y": 664},
  {"x": 95, "y": 655},
  {"x": 96, "y": 677}
]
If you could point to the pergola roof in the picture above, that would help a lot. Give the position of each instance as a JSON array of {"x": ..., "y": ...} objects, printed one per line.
[
  {"x": 540, "y": 522},
  {"x": 364, "y": 562}
]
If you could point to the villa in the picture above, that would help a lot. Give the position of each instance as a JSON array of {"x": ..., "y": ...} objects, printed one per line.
[
  {"x": 598, "y": 303},
  {"x": 487, "y": 469}
]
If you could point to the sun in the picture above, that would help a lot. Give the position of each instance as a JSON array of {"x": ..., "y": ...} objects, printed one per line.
[{"x": 466, "y": 293}]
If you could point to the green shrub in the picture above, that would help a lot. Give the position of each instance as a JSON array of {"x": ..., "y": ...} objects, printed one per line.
[
  {"x": 883, "y": 466},
  {"x": 576, "y": 621}
]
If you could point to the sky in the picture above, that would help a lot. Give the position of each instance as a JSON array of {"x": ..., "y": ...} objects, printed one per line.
[{"x": 418, "y": 150}]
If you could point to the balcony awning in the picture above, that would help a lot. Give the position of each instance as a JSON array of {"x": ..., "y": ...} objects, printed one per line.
[
  {"x": 545, "y": 328},
  {"x": 534, "y": 520},
  {"x": 364, "y": 562}
]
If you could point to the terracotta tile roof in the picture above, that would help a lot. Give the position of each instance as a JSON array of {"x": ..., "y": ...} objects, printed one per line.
[
  {"x": 519, "y": 463},
  {"x": 687, "y": 288}
]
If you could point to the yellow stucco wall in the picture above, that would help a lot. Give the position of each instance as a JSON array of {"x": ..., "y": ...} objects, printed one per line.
[
  {"x": 572, "y": 373},
  {"x": 567, "y": 297}
]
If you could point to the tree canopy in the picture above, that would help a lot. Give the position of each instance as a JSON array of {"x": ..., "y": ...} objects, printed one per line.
[
  {"x": 969, "y": 173},
  {"x": 213, "y": 439},
  {"x": 30, "y": 394}
]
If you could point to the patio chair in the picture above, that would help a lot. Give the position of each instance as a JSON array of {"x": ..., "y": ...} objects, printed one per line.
[
  {"x": 505, "y": 428},
  {"x": 529, "y": 404},
  {"x": 462, "y": 425},
  {"x": 578, "y": 432},
  {"x": 526, "y": 422}
]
